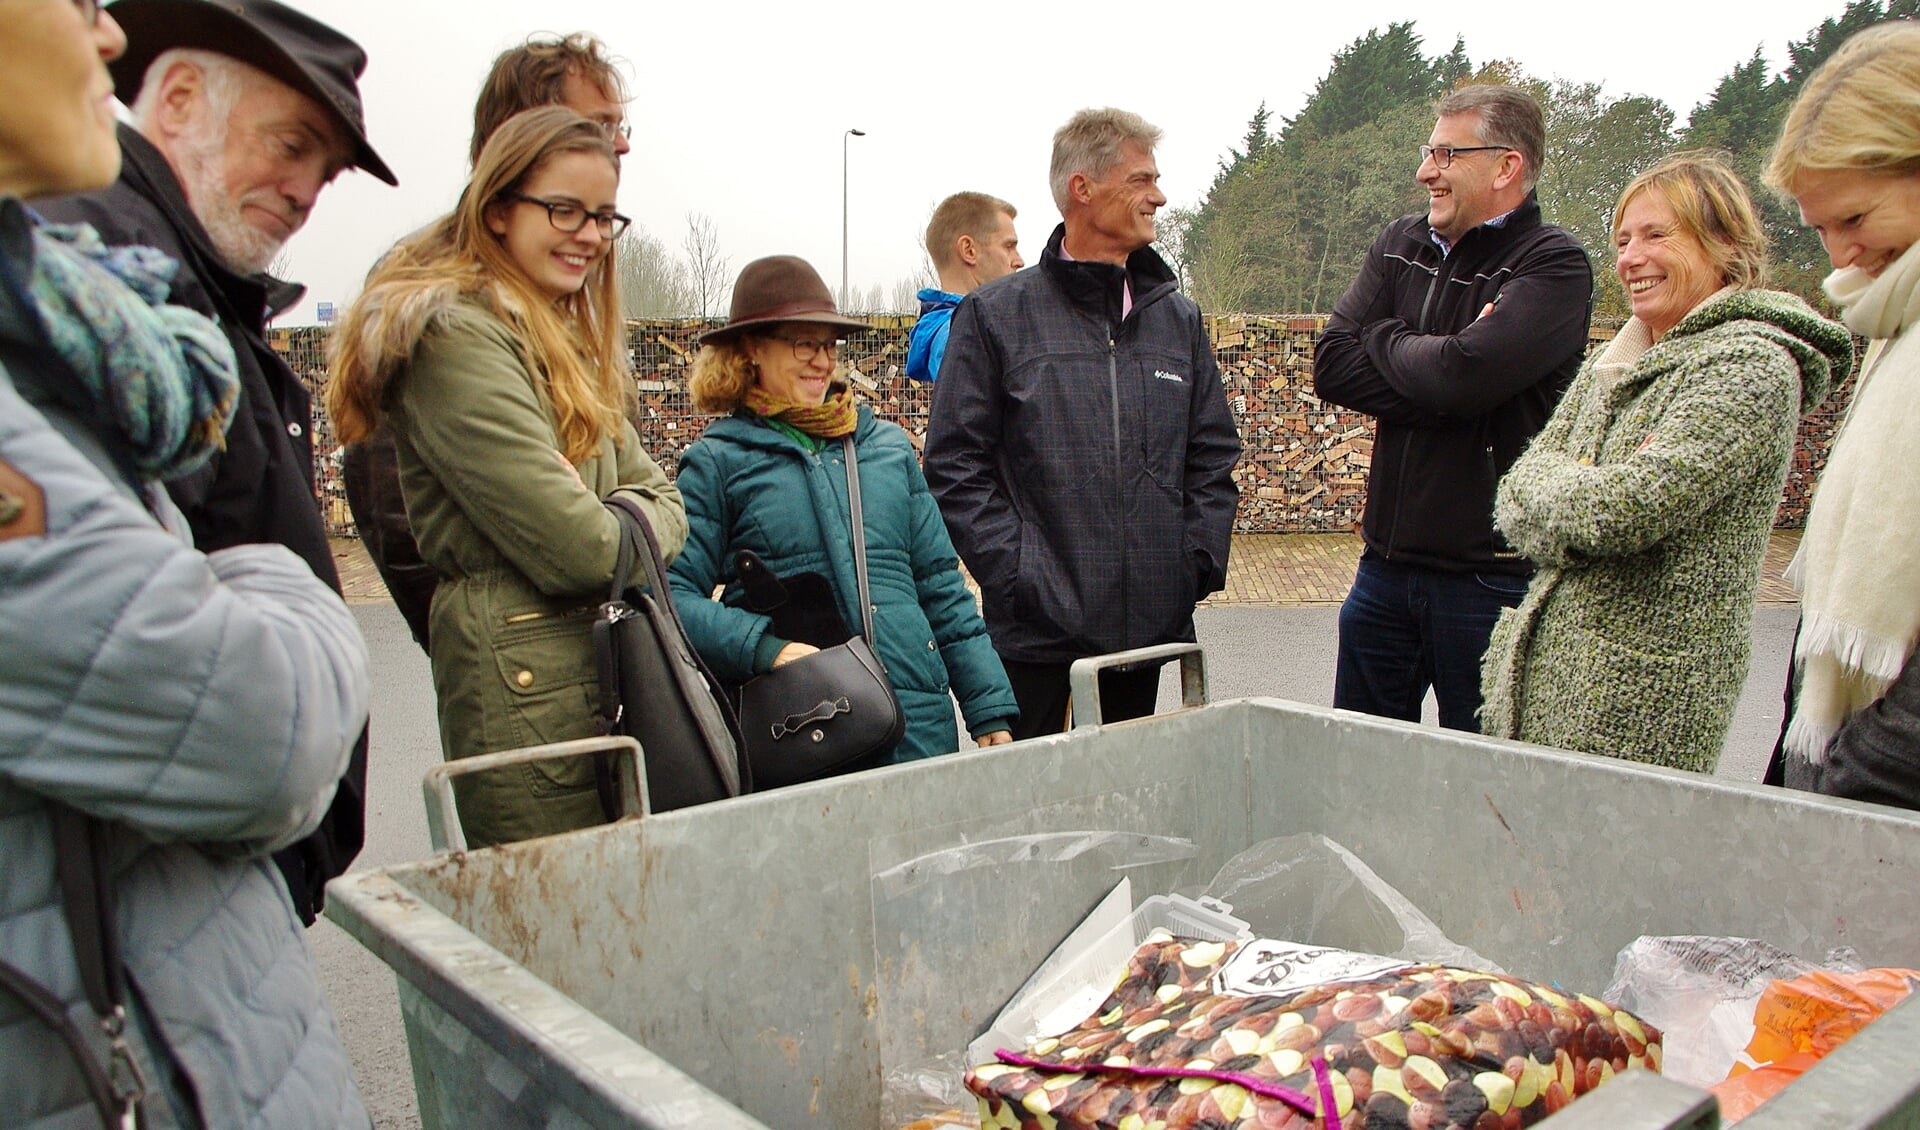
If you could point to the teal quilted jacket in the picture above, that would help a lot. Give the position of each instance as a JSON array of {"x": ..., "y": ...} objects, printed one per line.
[{"x": 747, "y": 486}]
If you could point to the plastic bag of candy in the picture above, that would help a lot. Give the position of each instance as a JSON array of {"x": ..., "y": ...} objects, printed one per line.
[{"x": 1278, "y": 1035}]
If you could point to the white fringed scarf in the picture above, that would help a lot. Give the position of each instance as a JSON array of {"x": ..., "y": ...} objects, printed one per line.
[{"x": 1858, "y": 568}]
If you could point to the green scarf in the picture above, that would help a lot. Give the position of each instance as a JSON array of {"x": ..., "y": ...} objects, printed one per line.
[
  {"x": 832, "y": 418},
  {"x": 162, "y": 376}
]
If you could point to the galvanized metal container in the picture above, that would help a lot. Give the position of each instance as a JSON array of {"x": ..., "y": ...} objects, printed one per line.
[{"x": 758, "y": 962}]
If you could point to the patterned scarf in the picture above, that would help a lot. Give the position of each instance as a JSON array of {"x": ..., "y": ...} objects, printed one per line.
[
  {"x": 162, "y": 375},
  {"x": 832, "y": 418}
]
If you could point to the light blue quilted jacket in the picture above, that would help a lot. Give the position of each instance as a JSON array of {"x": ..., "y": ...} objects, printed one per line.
[{"x": 203, "y": 707}]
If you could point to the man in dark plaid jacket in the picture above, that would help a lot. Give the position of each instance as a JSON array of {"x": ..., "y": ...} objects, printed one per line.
[{"x": 1080, "y": 443}]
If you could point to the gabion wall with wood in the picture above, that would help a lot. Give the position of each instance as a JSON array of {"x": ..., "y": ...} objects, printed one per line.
[{"x": 1303, "y": 468}]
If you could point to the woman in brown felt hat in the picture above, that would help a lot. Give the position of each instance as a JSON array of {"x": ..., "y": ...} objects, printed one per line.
[{"x": 771, "y": 478}]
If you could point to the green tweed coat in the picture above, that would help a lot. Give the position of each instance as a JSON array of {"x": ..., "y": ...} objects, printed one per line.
[{"x": 1646, "y": 502}]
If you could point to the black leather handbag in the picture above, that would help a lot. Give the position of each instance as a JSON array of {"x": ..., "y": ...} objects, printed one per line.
[
  {"x": 830, "y": 712},
  {"x": 654, "y": 687}
]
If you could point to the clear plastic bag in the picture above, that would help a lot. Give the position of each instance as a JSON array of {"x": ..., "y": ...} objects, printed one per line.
[
  {"x": 934, "y": 944},
  {"x": 1308, "y": 888},
  {"x": 1701, "y": 992}
]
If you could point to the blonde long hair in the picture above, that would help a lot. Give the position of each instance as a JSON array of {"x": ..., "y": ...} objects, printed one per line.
[
  {"x": 577, "y": 343},
  {"x": 1860, "y": 110}
]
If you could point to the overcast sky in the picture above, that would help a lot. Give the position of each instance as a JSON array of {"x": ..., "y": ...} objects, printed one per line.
[{"x": 740, "y": 108}]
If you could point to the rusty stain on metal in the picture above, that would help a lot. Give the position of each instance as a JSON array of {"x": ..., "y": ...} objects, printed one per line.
[{"x": 1488, "y": 797}]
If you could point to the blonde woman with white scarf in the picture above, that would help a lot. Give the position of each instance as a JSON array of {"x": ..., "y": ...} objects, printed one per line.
[{"x": 1849, "y": 155}]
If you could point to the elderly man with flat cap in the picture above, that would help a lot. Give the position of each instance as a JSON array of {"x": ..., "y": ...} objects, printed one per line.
[{"x": 242, "y": 112}]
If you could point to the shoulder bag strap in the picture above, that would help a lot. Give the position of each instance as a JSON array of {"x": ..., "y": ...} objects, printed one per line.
[
  {"x": 628, "y": 551},
  {"x": 86, "y": 897},
  {"x": 80, "y": 860},
  {"x": 640, "y": 560},
  {"x": 859, "y": 537}
]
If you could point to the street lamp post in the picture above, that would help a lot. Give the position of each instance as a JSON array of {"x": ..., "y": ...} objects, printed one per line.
[{"x": 843, "y": 213}]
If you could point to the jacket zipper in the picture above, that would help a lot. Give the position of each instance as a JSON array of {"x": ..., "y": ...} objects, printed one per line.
[
  {"x": 567, "y": 613},
  {"x": 1406, "y": 444},
  {"x": 1119, "y": 472}
]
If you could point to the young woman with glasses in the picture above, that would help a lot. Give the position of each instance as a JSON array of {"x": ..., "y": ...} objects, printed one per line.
[
  {"x": 494, "y": 347},
  {"x": 771, "y": 478}
]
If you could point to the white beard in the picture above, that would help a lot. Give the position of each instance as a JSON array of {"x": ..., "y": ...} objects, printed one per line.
[{"x": 246, "y": 248}]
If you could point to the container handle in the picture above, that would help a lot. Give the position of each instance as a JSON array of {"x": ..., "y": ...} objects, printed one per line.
[
  {"x": 1083, "y": 680},
  {"x": 444, "y": 833}
]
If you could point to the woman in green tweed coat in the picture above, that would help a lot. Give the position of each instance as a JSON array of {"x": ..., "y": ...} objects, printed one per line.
[{"x": 1647, "y": 499}]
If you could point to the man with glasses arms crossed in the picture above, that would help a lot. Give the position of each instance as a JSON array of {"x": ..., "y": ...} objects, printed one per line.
[
  {"x": 1461, "y": 332},
  {"x": 572, "y": 71}
]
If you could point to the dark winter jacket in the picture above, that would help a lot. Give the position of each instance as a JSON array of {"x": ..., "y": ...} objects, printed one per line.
[
  {"x": 370, "y": 471},
  {"x": 1084, "y": 461},
  {"x": 260, "y": 489},
  {"x": 1873, "y": 756},
  {"x": 1456, "y": 396},
  {"x": 748, "y": 486}
]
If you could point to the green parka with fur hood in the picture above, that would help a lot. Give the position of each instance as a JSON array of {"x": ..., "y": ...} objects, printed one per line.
[
  {"x": 525, "y": 553},
  {"x": 1646, "y": 502}
]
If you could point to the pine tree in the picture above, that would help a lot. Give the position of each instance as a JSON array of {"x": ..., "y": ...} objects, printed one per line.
[
  {"x": 1257, "y": 141},
  {"x": 1374, "y": 74}
]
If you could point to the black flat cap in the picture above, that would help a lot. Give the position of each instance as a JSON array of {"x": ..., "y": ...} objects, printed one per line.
[{"x": 291, "y": 46}]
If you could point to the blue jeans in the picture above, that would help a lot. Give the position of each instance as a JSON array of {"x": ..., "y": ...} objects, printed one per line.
[{"x": 1405, "y": 628}]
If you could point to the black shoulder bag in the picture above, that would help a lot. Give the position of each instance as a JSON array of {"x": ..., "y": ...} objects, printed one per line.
[
  {"x": 654, "y": 687},
  {"x": 829, "y": 712}
]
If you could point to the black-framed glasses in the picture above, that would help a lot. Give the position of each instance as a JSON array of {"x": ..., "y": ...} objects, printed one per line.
[
  {"x": 89, "y": 11},
  {"x": 1442, "y": 155},
  {"x": 569, "y": 217},
  {"x": 807, "y": 348}
]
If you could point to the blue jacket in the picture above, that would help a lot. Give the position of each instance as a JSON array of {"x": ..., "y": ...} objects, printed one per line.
[
  {"x": 748, "y": 486},
  {"x": 202, "y": 707},
  {"x": 928, "y": 343}
]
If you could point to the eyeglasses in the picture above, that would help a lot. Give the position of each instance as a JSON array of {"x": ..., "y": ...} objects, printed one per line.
[
  {"x": 615, "y": 131},
  {"x": 569, "y": 217},
  {"x": 806, "y": 348},
  {"x": 1442, "y": 155},
  {"x": 89, "y": 11}
]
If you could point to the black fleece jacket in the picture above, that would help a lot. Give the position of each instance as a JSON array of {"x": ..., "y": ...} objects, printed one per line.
[{"x": 1456, "y": 396}]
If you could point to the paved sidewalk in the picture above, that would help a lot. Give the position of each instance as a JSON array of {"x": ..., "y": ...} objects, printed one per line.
[{"x": 1267, "y": 569}]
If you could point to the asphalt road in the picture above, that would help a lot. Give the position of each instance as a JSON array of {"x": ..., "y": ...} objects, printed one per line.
[{"x": 1280, "y": 651}]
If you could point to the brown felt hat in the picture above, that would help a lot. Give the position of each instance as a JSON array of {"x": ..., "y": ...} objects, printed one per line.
[
  {"x": 291, "y": 46},
  {"x": 779, "y": 288}
]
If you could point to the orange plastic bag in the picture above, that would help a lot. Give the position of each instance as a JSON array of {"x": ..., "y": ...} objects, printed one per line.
[{"x": 1797, "y": 1021}]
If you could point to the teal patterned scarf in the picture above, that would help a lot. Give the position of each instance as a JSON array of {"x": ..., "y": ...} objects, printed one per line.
[{"x": 162, "y": 375}]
